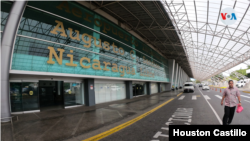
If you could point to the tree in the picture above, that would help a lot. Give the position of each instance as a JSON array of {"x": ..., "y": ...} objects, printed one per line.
[
  {"x": 242, "y": 71},
  {"x": 239, "y": 74},
  {"x": 197, "y": 81},
  {"x": 219, "y": 76}
]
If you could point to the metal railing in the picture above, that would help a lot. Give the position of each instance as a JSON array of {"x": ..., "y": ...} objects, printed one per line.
[
  {"x": 11, "y": 121},
  {"x": 10, "y": 118}
]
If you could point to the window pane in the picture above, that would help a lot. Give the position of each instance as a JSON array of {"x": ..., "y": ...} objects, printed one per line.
[
  {"x": 73, "y": 95},
  {"x": 16, "y": 97},
  {"x": 30, "y": 96}
]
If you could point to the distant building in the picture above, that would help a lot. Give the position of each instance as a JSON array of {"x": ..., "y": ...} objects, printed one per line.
[{"x": 248, "y": 71}]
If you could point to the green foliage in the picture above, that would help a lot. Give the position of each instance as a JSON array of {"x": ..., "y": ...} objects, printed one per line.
[
  {"x": 197, "y": 81},
  {"x": 242, "y": 71},
  {"x": 233, "y": 78},
  {"x": 218, "y": 77}
]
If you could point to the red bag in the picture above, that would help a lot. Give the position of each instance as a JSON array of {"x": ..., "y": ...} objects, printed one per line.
[{"x": 239, "y": 109}]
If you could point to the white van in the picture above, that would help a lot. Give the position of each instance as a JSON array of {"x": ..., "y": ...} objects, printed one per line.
[
  {"x": 241, "y": 83},
  {"x": 188, "y": 87}
]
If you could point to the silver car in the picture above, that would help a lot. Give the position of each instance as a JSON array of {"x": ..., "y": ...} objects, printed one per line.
[{"x": 205, "y": 87}]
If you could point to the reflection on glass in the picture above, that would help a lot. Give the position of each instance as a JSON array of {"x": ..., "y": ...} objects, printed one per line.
[
  {"x": 16, "y": 97},
  {"x": 32, "y": 25},
  {"x": 5, "y": 9},
  {"x": 24, "y": 96},
  {"x": 73, "y": 94},
  {"x": 139, "y": 88},
  {"x": 163, "y": 87},
  {"x": 30, "y": 96}
]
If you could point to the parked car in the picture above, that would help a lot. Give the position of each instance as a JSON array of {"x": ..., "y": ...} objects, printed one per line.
[
  {"x": 205, "y": 87},
  {"x": 200, "y": 85},
  {"x": 188, "y": 87},
  {"x": 241, "y": 83}
]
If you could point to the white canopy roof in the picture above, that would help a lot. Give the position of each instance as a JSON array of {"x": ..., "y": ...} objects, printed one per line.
[{"x": 211, "y": 46}]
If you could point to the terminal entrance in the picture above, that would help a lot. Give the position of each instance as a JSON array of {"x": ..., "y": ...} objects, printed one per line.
[
  {"x": 139, "y": 88},
  {"x": 51, "y": 95}
]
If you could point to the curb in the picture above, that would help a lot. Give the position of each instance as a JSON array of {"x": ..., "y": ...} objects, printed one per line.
[{"x": 218, "y": 87}]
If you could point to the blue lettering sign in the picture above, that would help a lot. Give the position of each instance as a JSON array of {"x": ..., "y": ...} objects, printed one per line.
[{"x": 233, "y": 16}]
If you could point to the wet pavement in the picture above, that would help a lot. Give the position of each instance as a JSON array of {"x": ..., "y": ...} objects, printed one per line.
[
  {"x": 201, "y": 107},
  {"x": 65, "y": 124}
]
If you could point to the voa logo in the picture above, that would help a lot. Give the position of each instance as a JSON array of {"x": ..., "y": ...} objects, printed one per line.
[{"x": 228, "y": 16}]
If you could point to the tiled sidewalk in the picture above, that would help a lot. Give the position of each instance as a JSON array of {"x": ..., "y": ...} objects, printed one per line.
[{"x": 66, "y": 123}]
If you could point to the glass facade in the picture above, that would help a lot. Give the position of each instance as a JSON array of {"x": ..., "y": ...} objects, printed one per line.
[
  {"x": 163, "y": 87},
  {"x": 5, "y": 9},
  {"x": 106, "y": 92},
  {"x": 24, "y": 96},
  {"x": 30, "y": 96},
  {"x": 67, "y": 38},
  {"x": 73, "y": 94},
  {"x": 79, "y": 41},
  {"x": 16, "y": 97}
]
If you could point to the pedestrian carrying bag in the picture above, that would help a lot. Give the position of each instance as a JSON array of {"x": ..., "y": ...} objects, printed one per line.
[{"x": 239, "y": 109}]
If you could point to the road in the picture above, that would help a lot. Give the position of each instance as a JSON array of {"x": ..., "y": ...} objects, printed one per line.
[{"x": 199, "y": 107}]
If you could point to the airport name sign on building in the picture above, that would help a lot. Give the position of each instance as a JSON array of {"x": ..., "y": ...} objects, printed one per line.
[
  {"x": 96, "y": 65},
  {"x": 71, "y": 39}
]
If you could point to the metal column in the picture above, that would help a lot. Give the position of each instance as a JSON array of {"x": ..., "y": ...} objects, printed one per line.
[
  {"x": 148, "y": 84},
  {"x": 176, "y": 75},
  {"x": 129, "y": 89},
  {"x": 171, "y": 66},
  {"x": 89, "y": 92},
  {"x": 179, "y": 77},
  {"x": 180, "y": 84},
  {"x": 8, "y": 41}
]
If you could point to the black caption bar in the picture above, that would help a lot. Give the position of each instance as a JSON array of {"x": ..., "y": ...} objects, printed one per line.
[{"x": 197, "y": 132}]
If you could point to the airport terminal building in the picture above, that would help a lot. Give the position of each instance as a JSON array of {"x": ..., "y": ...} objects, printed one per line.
[{"x": 65, "y": 54}]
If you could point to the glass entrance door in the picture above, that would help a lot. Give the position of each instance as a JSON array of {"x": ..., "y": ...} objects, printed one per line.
[
  {"x": 73, "y": 94},
  {"x": 16, "y": 97},
  {"x": 50, "y": 95},
  {"x": 139, "y": 88},
  {"x": 24, "y": 96},
  {"x": 46, "y": 96}
]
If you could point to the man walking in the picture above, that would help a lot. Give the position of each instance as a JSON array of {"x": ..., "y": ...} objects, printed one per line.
[{"x": 230, "y": 95}]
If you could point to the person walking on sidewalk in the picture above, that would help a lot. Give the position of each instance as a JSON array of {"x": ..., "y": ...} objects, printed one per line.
[{"x": 230, "y": 94}]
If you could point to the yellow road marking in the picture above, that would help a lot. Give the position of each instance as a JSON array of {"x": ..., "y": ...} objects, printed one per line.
[
  {"x": 119, "y": 127},
  {"x": 179, "y": 94},
  {"x": 246, "y": 91},
  {"x": 197, "y": 95}
]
